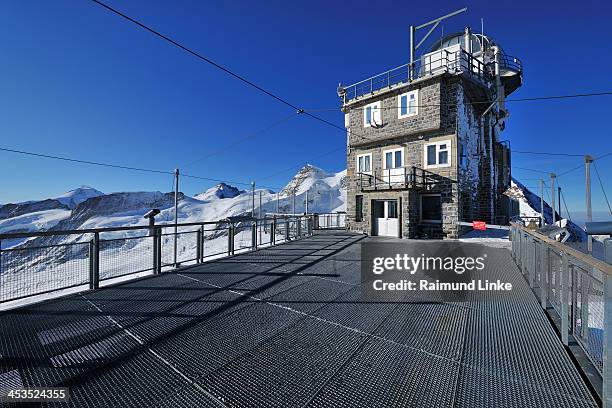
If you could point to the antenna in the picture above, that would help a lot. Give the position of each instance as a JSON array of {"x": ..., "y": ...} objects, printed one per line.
[{"x": 435, "y": 23}]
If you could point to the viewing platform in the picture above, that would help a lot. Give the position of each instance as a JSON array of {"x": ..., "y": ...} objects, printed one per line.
[{"x": 290, "y": 325}]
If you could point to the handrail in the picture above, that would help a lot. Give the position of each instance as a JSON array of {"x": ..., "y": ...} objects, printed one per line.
[
  {"x": 586, "y": 258},
  {"x": 126, "y": 228},
  {"x": 438, "y": 61}
]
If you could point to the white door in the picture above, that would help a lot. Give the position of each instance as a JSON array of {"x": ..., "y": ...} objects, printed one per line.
[
  {"x": 393, "y": 166},
  {"x": 386, "y": 222}
]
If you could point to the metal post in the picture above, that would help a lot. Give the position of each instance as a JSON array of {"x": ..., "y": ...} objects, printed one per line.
[
  {"x": 607, "y": 336},
  {"x": 306, "y": 206},
  {"x": 542, "y": 218},
  {"x": 202, "y": 237},
  {"x": 559, "y": 202},
  {"x": 589, "y": 211},
  {"x": 159, "y": 250},
  {"x": 199, "y": 245},
  {"x": 287, "y": 235},
  {"x": 94, "y": 277},
  {"x": 253, "y": 199},
  {"x": 553, "y": 176},
  {"x": 259, "y": 217},
  {"x": 254, "y": 235},
  {"x": 565, "y": 279},
  {"x": 544, "y": 267},
  {"x": 534, "y": 263},
  {"x": 176, "y": 191},
  {"x": 293, "y": 202},
  {"x": 91, "y": 264},
  {"x": 273, "y": 231},
  {"x": 230, "y": 239},
  {"x": 412, "y": 50},
  {"x": 298, "y": 232},
  {"x": 331, "y": 201},
  {"x": 277, "y": 204}
]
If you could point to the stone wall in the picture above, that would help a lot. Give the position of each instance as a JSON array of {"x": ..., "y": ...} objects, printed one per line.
[{"x": 444, "y": 114}]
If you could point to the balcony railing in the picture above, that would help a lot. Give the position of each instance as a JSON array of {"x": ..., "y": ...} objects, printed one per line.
[
  {"x": 401, "y": 178},
  {"x": 329, "y": 220},
  {"x": 52, "y": 261},
  {"x": 453, "y": 60},
  {"x": 576, "y": 286}
]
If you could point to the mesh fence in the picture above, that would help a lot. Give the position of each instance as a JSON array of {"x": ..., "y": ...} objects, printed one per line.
[
  {"x": 186, "y": 246},
  {"x": 588, "y": 312},
  {"x": 125, "y": 256},
  {"x": 32, "y": 270},
  {"x": 335, "y": 220},
  {"x": 543, "y": 264},
  {"x": 554, "y": 280},
  {"x": 215, "y": 241},
  {"x": 243, "y": 236}
]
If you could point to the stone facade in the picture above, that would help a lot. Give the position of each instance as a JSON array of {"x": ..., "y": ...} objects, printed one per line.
[{"x": 470, "y": 187}]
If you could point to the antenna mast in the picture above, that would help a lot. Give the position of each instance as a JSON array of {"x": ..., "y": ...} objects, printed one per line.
[{"x": 434, "y": 23}]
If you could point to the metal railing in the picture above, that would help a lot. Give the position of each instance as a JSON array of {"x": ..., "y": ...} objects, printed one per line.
[
  {"x": 577, "y": 287},
  {"x": 49, "y": 261},
  {"x": 329, "y": 220},
  {"x": 398, "y": 178},
  {"x": 453, "y": 60}
]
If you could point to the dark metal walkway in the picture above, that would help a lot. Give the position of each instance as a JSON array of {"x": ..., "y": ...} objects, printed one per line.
[{"x": 288, "y": 326}]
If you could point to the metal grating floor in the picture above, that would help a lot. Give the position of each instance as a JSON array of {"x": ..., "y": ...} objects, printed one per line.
[{"x": 289, "y": 326}]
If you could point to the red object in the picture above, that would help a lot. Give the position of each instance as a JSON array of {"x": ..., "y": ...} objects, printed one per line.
[{"x": 479, "y": 225}]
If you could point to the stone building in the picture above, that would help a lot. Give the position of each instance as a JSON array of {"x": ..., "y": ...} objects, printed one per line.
[{"x": 424, "y": 146}]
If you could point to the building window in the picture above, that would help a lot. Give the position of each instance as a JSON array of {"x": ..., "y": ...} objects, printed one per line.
[
  {"x": 364, "y": 163},
  {"x": 372, "y": 115},
  {"x": 437, "y": 154},
  {"x": 407, "y": 104},
  {"x": 431, "y": 208},
  {"x": 393, "y": 159},
  {"x": 358, "y": 208}
]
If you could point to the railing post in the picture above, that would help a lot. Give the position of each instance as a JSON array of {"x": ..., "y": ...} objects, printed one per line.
[
  {"x": 607, "y": 326},
  {"x": 202, "y": 244},
  {"x": 254, "y": 235},
  {"x": 565, "y": 272},
  {"x": 310, "y": 226},
  {"x": 231, "y": 232},
  {"x": 287, "y": 235},
  {"x": 198, "y": 246},
  {"x": 273, "y": 231},
  {"x": 544, "y": 267},
  {"x": 94, "y": 262},
  {"x": 534, "y": 263},
  {"x": 158, "y": 250},
  {"x": 298, "y": 232}
]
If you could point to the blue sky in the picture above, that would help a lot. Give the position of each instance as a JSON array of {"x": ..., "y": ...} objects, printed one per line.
[{"x": 78, "y": 81}]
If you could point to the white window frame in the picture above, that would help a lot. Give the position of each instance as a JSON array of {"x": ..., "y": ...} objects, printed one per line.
[
  {"x": 449, "y": 149},
  {"x": 421, "y": 209},
  {"x": 357, "y": 163},
  {"x": 376, "y": 107},
  {"x": 399, "y": 104},
  {"x": 384, "y": 157}
]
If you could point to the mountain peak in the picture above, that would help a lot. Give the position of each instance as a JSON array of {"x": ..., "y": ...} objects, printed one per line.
[
  {"x": 219, "y": 191},
  {"x": 74, "y": 197}
]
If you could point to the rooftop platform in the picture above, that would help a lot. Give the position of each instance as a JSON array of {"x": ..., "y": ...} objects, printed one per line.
[{"x": 289, "y": 326}]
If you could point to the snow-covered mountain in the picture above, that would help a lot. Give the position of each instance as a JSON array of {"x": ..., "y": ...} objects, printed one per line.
[
  {"x": 86, "y": 207},
  {"x": 529, "y": 206},
  {"x": 220, "y": 191},
  {"x": 75, "y": 197}
]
